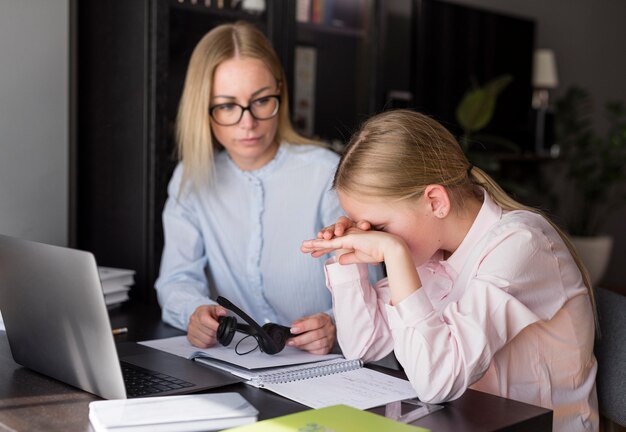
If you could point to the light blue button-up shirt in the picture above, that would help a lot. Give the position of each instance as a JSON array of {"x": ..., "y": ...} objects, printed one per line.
[{"x": 246, "y": 230}]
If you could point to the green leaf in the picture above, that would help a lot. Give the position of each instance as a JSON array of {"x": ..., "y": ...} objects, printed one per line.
[
  {"x": 475, "y": 110},
  {"x": 495, "y": 86}
]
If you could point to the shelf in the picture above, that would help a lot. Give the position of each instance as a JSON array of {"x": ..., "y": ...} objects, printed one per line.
[
  {"x": 524, "y": 158},
  {"x": 211, "y": 8},
  {"x": 308, "y": 31}
]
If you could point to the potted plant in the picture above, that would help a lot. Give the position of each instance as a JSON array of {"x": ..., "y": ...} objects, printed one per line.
[
  {"x": 595, "y": 173},
  {"x": 488, "y": 151},
  {"x": 473, "y": 114}
]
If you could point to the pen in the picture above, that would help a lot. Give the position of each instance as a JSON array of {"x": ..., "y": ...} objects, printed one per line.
[{"x": 121, "y": 330}]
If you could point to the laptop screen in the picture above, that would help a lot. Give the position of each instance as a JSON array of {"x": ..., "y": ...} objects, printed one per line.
[{"x": 55, "y": 316}]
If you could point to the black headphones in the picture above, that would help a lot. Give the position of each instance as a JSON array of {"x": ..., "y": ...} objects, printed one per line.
[{"x": 271, "y": 337}]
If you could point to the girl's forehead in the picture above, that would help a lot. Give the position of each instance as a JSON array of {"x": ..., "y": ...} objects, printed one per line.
[{"x": 366, "y": 207}]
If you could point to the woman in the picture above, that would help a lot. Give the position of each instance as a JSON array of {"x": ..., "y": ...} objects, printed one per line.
[
  {"x": 481, "y": 290},
  {"x": 248, "y": 187}
]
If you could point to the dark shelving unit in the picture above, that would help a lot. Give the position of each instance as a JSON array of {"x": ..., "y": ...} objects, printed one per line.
[{"x": 346, "y": 52}]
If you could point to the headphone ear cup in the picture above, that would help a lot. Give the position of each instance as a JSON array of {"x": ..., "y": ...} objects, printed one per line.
[
  {"x": 279, "y": 335},
  {"x": 226, "y": 329}
]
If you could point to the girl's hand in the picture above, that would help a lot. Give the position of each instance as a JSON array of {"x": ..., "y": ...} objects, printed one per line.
[
  {"x": 356, "y": 245},
  {"x": 339, "y": 228},
  {"x": 315, "y": 334},
  {"x": 371, "y": 247}
]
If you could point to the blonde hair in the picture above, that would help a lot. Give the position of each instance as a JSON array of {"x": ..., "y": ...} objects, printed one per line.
[
  {"x": 396, "y": 154},
  {"x": 196, "y": 145}
]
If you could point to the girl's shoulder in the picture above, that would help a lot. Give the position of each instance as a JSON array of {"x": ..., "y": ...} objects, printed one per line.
[{"x": 523, "y": 221}]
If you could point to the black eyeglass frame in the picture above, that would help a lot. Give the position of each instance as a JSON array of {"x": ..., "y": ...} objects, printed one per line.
[{"x": 246, "y": 108}]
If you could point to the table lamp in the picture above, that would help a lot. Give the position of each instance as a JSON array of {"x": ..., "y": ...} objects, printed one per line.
[{"x": 544, "y": 79}]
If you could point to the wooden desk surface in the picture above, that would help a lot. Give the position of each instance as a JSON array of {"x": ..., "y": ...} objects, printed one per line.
[{"x": 30, "y": 401}]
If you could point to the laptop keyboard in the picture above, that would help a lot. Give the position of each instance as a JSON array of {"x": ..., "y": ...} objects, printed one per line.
[{"x": 144, "y": 382}]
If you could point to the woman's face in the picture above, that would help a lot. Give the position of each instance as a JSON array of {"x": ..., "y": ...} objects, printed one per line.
[{"x": 250, "y": 143}]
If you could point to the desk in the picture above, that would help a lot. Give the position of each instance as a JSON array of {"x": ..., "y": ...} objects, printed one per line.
[{"x": 33, "y": 402}]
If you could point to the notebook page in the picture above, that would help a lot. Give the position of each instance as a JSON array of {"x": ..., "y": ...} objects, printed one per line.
[
  {"x": 360, "y": 388},
  {"x": 179, "y": 345}
]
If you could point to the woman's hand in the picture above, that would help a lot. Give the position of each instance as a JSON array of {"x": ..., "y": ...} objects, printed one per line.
[
  {"x": 203, "y": 323},
  {"x": 315, "y": 334}
]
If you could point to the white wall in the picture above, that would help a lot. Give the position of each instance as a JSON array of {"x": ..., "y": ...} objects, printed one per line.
[{"x": 34, "y": 110}]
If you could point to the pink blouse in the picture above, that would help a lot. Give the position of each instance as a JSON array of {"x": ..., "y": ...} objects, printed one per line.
[{"x": 507, "y": 314}]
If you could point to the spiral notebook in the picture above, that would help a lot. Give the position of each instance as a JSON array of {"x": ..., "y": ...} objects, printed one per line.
[
  {"x": 327, "y": 383},
  {"x": 312, "y": 380}
]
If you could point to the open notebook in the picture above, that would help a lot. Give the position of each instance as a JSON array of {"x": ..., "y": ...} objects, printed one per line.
[{"x": 312, "y": 380}]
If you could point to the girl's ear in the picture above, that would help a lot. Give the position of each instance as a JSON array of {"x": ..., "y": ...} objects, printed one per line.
[{"x": 438, "y": 200}]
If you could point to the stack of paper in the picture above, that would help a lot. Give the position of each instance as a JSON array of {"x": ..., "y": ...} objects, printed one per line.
[
  {"x": 115, "y": 284},
  {"x": 201, "y": 412}
]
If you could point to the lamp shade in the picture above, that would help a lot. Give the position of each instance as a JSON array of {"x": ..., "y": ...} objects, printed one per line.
[{"x": 544, "y": 69}]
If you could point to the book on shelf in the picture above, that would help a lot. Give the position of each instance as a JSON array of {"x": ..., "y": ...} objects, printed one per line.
[
  {"x": 313, "y": 380},
  {"x": 303, "y": 10},
  {"x": 338, "y": 418},
  {"x": 200, "y": 412}
]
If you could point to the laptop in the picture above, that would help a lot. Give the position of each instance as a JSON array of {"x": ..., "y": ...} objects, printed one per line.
[{"x": 57, "y": 324}]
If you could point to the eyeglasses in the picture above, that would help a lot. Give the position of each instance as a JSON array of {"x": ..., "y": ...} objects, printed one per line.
[{"x": 228, "y": 114}]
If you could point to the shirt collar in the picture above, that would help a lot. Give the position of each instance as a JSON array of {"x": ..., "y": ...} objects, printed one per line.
[
  {"x": 489, "y": 214},
  {"x": 268, "y": 168}
]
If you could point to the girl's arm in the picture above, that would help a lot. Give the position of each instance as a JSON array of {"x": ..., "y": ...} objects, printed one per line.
[
  {"x": 515, "y": 283},
  {"x": 360, "y": 308}
]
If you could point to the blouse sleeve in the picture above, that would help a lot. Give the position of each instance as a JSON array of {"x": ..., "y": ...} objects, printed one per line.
[
  {"x": 360, "y": 315},
  {"x": 516, "y": 283},
  {"x": 182, "y": 284}
]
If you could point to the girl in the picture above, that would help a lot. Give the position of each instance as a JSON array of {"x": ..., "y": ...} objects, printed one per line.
[{"x": 481, "y": 292}]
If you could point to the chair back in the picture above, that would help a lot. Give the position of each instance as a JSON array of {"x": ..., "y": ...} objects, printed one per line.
[{"x": 610, "y": 351}]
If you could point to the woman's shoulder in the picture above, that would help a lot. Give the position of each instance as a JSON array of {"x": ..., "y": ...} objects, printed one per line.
[
  {"x": 177, "y": 175},
  {"x": 311, "y": 148},
  {"x": 307, "y": 153}
]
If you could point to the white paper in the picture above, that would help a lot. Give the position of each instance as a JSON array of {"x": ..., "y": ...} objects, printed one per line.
[
  {"x": 179, "y": 345},
  {"x": 361, "y": 388},
  {"x": 170, "y": 410},
  {"x": 108, "y": 273}
]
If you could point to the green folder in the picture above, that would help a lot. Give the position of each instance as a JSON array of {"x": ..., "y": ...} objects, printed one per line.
[{"x": 337, "y": 418}]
